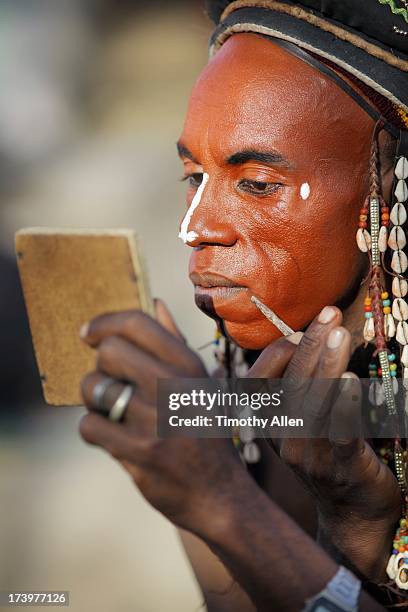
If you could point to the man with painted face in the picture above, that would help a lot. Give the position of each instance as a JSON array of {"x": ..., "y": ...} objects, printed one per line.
[{"x": 295, "y": 139}]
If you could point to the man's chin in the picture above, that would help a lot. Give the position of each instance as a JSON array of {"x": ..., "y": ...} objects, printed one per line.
[
  {"x": 249, "y": 333},
  {"x": 252, "y": 336},
  {"x": 222, "y": 314}
]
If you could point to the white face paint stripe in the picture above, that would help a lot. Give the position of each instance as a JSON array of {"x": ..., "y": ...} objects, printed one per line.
[
  {"x": 305, "y": 191},
  {"x": 184, "y": 234}
]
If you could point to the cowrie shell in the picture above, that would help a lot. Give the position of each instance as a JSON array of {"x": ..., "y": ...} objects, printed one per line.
[
  {"x": 389, "y": 326},
  {"x": 251, "y": 452},
  {"x": 401, "y": 169},
  {"x": 400, "y": 309},
  {"x": 397, "y": 239},
  {"x": 398, "y": 214},
  {"x": 399, "y": 262},
  {"x": 401, "y": 191},
  {"x": 376, "y": 393},
  {"x": 382, "y": 239},
  {"x": 391, "y": 567},
  {"x": 402, "y": 332},
  {"x": 404, "y": 356},
  {"x": 399, "y": 286},
  {"x": 363, "y": 239},
  {"x": 369, "y": 331},
  {"x": 401, "y": 579}
]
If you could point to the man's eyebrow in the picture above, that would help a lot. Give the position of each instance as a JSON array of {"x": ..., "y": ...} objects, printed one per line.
[
  {"x": 271, "y": 157},
  {"x": 184, "y": 152}
]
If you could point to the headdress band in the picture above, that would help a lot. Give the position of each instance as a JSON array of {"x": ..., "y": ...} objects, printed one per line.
[
  {"x": 318, "y": 22},
  {"x": 373, "y": 65}
]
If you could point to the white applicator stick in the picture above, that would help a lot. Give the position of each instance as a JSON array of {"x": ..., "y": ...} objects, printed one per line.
[{"x": 272, "y": 317}]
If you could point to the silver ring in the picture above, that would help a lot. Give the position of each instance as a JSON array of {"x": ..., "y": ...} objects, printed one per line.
[
  {"x": 98, "y": 394},
  {"x": 119, "y": 408}
]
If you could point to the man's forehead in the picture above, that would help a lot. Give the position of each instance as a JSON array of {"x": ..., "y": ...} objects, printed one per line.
[
  {"x": 251, "y": 90},
  {"x": 249, "y": 63}
]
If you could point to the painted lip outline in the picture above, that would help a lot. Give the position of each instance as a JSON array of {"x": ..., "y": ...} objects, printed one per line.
[{"x": 210, "y": 280}]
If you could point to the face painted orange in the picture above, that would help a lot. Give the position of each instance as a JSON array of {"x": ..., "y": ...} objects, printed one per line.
[{"x": 286, "y": 153}]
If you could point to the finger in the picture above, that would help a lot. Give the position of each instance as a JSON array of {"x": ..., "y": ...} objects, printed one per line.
[
  {"x": 133, "y": 470},
  {"x": 274, "y": 358},
  {"x": 346, "y": 418},
  {"x": 165, "y": 318},
  {"x": 272, "y": 363},
  {"x": 335, "y": 354},
  {"x": 334, "y": 357},
  {"x": 110, "y": 394},
  {"x": 307, "y": 354},
  {"x": 120, "y": 359},
  {"x": 140, "y": 329},
  {"x": 140, "y": 417},
  {"x": 112, "y": 437},
  {"x": 300, "y": 370}
]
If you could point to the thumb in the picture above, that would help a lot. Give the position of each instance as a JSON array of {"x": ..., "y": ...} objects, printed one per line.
[
  {"x": 273, "y": 360},
  {"x": 346, "y": 427},
  {"x": 165, "y": 318}
]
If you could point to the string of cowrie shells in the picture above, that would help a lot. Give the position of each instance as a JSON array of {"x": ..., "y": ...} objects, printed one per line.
[
  {"x": 397, "y": 568},
  {"x": 386, "y": 321},
  {"x": 397, "y": 242}
]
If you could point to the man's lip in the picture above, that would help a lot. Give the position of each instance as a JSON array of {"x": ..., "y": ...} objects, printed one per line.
[{"x": 209, "y": 280}]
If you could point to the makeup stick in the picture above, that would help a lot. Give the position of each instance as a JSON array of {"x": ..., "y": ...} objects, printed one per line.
[{"x": 272, "y": 317}]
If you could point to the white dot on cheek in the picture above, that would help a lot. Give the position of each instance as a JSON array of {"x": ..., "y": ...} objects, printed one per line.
[{"x": 305, "y": 191}]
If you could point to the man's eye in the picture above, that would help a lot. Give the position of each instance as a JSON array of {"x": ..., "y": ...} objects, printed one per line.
[
  {"x": 257, "y": 187},
  {"x": 194, "y": 180}
]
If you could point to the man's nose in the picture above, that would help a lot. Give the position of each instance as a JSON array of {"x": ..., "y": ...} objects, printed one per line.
[{"x": 208, "y": 221}]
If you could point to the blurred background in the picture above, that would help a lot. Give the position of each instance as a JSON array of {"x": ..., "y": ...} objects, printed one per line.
[{"x": 92, "y": 99}]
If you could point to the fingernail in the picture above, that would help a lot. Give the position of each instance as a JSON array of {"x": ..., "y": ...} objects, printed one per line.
[
  {"x": 327, "y": 314},
  {"x": 335, "y": 338},
  {"x": 295, "y": 338},
  {"x": 348, "y": 379},
  {"x": 83, "y": 332}
]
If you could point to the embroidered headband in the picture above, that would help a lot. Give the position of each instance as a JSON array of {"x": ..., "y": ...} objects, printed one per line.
[{"x": 362, "y": 39}]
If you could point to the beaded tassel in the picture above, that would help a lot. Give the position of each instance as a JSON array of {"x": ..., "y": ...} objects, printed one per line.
[
  {"x": 379, "y": 325},
  {"x": 232, "y": 360},
  {"x": 247, "y": 446},
  {"x": 372, "y": 238}
]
